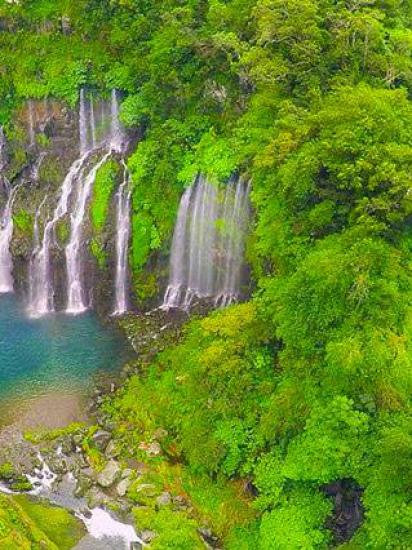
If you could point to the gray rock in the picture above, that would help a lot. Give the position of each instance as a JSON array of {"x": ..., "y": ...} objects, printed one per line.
[
  {"x": 123, "y": 486},
  {"x": 111, "y": 450},
  {"x": 154, "y": 449},
  {"x": 77, "y": 440},
  {"x": 135, "y": 546},
  {"x": 164, "y": 499},
  {"x": 110, "y": 474},
  {"x": 101, "y": 439},
  {"x": 147, "y": 536},
  {"x": 84, "y": 483},
  {"x": 96, "y": 498},
  {"x": 127, "y": 472}
]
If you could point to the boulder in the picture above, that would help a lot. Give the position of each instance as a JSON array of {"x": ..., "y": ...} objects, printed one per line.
[
  {"x": 110, "y": 474},
  {"x": 123, "y": 486},
  {"x": 147, "y": 536},
  {"x": 164, "y": 499},
  {"x": 96, "y": 498},
  {"x": 111, "y": 450},
  {"x": 154, "y": 449},
  {"x": 101, "y": 439}
]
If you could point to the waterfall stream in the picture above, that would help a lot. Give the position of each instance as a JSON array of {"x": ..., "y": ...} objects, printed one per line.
[
  {"x": 123, "y": 198},
  {"x": 6, "y": 233},
  {"x": 208, "y": 244},
  {"x": 77, "y": 302},
  {"x": 100, "y": 135},
  {"x": 41, "y": 289}
]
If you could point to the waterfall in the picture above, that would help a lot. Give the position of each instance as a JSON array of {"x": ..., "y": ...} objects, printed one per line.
[
  {"x": 77, "y": 301},
  {"x": 92, "y": 123},
  {"x": 41, "y": 290},
  {"x": 35, "y": 170},
  {"x": 96, "y": 146},
  {"x": 123, "y": 197},
  {"x": 116, "y": 131},
  {"x": 208, "y": 244},
  {"x": 6, "y": 233},
  {"x": 173, "y": 296}
]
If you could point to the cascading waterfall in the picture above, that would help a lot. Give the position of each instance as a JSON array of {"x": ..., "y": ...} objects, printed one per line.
[
  {"x": 123, "y": 198},
  {"x": 173, "y": 296},
  {"x": 99, "y": 136},
  {"x": 6, "y": 233},
  {"x": 41, "y": 289},
  {"x": 208, "y": 244},
  {"x": 76, "y": 300}
]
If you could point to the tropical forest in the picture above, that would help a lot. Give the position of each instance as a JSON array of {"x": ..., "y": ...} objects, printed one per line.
[{"x": 205, "y": 274}]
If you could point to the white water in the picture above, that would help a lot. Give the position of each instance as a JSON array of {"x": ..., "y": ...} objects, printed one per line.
[
  {"x": 102, "y": 525},
  {"x": 35, "y": 171},
  {"x": 98, "y": 136},
  {"x": 6, "y": 233},
  {"x": 123, "y": 197},
  {"x": 208, "y": 244},
  {"x": 77, "y": 299},
  {"x": 41, "y": 289},
  {"x": 173, "y": 296},
  {"x": 77, "y": 302}
]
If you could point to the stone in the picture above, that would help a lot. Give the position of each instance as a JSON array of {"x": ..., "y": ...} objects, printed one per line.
[
  {"x": 77, "y": 440},
  {"x": 86, "y": 513},
  {"x": 111, "y": 450},
  {"x": 123, "y": 486},
  {"x": 147, "y": 488},
  {"x": 84, "y": 483},
  {"x": 110, "y": 474},
  {"x": 164, "y": 499},
  {"x": 154, "y": 449},
  {"x": 101, "y": 439},
  {"x": 135, "y": 546},
  {"x": 96, "y": 498},
  {"x": 127, "y": 472},
  {"x": 147, "y": 536}
]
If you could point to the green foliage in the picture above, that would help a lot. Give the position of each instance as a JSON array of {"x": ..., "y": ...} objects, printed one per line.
[
  {"x": 310, "y": 382},
  {"x": 23, "y": 222},
  {"x": 175, "y": 531},
  {"x": 59, "y": 525},
  {"x": 104, "y": 185},
  {"x": 303, "y": 511}
]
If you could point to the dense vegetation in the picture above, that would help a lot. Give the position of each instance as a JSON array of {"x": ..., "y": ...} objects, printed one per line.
[{"x": 310, "y": 382}]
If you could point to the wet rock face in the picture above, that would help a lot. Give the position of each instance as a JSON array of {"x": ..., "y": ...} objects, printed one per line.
[{"x": 348, "y": 512}]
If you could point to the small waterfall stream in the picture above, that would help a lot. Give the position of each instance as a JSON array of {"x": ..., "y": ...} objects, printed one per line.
[
  {"x": 77, "y": 302},
  {"x": 41, "y": 289},
  {"x": 123, "y": 198},
  {"x": 208, "y": 244},
  {"x": 6, "y": 233},
  {"x": 77, "y": 299}
]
